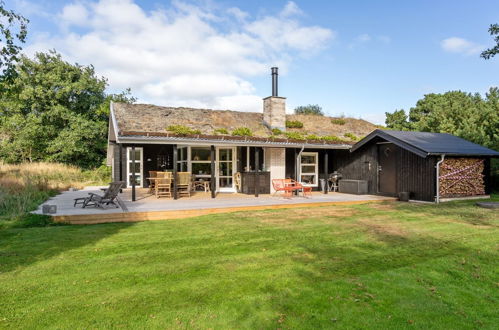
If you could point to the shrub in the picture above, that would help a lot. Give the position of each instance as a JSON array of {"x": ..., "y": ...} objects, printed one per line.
[
  {"x": 295, "y": 136},
  {"x": 338, "y": 121},
  {"x": 276, "y": 131},
  {"x": 351, "y": 136},
  {"x": 294, "y": 124},
  {"x": 330, "y": 138},
  {"x": 311, "y": 109},
  {"x": 313, "y": 137},
  {"x": 182, "y": 130},
  {"x": 242, "y": 131},
  {"x": 221, "y": 131}
]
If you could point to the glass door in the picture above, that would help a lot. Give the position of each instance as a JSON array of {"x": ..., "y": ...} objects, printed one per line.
[
  {"x": 138, "y": 166},
  {"x": 226, "y": 161}
]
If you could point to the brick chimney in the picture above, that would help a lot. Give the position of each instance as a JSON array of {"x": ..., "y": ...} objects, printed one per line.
[{"x": 274, "y": 107}]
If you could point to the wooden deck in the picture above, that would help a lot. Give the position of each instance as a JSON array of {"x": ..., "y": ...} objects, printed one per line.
[{"x": 149, "y": 207}]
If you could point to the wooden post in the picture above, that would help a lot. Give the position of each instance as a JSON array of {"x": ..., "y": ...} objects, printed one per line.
[
  {"x": 213, "y": 185},
  {"x": 257, "y": 174},
  {"x": 326, "y": 174},
  {"x": 133, "y": 174},
  {"x": 175, "y": 161},
  {"x": 296, "y": 164}
]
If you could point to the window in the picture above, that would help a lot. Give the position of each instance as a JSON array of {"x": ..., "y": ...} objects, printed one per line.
[
  {"x": 182, "y": 159},
  {"x": 309, "y": 169},
  {"x": 201, "y": 161}
]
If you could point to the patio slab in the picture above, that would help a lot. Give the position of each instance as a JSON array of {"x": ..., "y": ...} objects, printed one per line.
[{"x": 148, "y": 207}]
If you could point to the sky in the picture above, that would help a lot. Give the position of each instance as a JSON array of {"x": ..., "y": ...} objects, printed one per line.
[{"x": 353, "y": 58}]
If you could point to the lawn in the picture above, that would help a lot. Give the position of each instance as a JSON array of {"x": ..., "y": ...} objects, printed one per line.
[{"x": 389, "y": 265}]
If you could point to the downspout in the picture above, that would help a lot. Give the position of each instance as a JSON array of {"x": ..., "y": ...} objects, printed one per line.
[{"x": 438, "y": 177}]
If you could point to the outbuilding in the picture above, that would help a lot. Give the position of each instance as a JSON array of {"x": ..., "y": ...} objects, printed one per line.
[{"x": 427, "y": 166}]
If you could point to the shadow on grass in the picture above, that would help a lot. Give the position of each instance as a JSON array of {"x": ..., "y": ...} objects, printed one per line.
[{"x": 20, "y": 247}]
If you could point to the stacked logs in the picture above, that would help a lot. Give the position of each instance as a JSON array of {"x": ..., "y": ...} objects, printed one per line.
[{"x": 462, "y": 177}]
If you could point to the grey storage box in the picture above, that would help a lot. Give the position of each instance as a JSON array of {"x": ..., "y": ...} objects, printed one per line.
[{"x": 358, "y": 187}]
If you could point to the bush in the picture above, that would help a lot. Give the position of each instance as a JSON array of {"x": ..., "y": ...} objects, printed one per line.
[
  {"x": 242, "y": 131},
  {"x": 294, "y": 124},
  {"x": 221, "y": 131},
  {"x": 182, "y": 130},
  {"x": 295, "y": 136},
  {"x": 330, "y": 138},
  {"x": 276, "y": 131},
  {"x": 351, "y": 136},
  {"x": 311, "y": 109},
  {"x": 338, "y": 121},
  {"x": 313, "y": 137}
]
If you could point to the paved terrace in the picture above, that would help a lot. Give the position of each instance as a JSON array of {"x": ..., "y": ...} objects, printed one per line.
[{"x": 198, "y": 204}]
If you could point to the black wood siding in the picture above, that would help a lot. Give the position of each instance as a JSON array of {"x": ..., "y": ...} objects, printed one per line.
[
  {"x": 416, "y": 175},
  {"x": 359, "y": 165}
]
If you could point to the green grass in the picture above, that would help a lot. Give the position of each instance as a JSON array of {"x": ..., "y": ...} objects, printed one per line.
[{"x": 389, "y": 265}]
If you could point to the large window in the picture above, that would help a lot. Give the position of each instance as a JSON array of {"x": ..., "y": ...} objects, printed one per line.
[
  {"x": 309, "y": 162},
  {"x": 201, "y": 161},
  {"x": 182, "y": 159}
]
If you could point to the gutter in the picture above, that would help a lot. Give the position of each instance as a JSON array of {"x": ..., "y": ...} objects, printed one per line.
[{"x": 437, "y": 199}]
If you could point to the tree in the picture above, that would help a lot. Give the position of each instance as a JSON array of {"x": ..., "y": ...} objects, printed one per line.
[
  {"x": 13, "y": 31},
  {"x": 491, "y": 52},
  {"x": 463, "y": 114},
  {"x": 311, "y": 109},
  {"x": 52, "y": 110}
]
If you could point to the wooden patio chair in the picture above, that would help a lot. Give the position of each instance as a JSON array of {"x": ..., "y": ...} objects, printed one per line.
[
  {"x": 163, "y": 186},
  {"x": 109, "y": 197},
  {"x": 152, "y": 180},
  {"x": 184, "y": 184}
]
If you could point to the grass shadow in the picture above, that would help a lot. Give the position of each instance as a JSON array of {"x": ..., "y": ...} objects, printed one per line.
[{"x": 20, "y": 247}]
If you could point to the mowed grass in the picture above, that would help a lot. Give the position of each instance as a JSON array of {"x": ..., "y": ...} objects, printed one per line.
[{"x": 389, "y": 265}]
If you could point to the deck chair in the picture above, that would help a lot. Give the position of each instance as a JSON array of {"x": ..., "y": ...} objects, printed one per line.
[
  {"x": 163, "y": 184},
  {"x": 109, "y": 196},
  {"x": 152, "y": 181},
  {"x": 184, "y": 184}
]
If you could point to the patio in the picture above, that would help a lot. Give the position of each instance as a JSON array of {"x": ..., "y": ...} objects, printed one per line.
[{"x": 148, "y": 207}]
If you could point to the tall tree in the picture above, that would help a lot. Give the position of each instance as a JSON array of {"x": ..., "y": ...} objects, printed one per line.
[
  {"x": 13, "y": 32},
  {"x": 491, "y": 52},
  {"x": 466, "y": 115},
  {"x": 311, "y": 109},
  {"x": 54, "y": 111}
]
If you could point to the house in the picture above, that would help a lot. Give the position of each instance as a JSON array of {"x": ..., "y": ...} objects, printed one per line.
[{"x": 214, "y": 145}]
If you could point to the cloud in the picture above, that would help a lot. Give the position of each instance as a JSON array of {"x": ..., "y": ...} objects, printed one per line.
[
  {"x": 365, "y": 38},
  {"x": 185, "y": 54},
  {"x": 460, "y": 45}
]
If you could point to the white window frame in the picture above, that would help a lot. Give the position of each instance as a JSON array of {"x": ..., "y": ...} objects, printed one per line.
[
  {"x": 187, "y": 150},
  {"x": 316, "y": 165},
  {"x": 198, "y": 162},
  {"x": 129, "y": 161}
]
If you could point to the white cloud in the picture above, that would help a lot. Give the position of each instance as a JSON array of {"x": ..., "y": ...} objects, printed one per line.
[
  {"x": 365, "y": 38},
  {"x": 184, "y": 55},
  {"x": 460, "y": 45}
]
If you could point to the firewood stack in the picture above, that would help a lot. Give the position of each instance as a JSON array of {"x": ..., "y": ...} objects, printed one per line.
[{"x": 462, "y": 177}]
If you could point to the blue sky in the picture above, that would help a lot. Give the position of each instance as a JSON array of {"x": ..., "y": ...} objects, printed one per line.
[{"x": 358, "y": 58}]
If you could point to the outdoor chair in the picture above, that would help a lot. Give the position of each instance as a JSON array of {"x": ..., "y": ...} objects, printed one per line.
[
  {"x": 152, "y": 180},
  {"x": 306, "y": 190},
  {"x": 284, "y": 185},
  {"x": 96, "y": 200},
  {"x": 163, "y": 186},
  {"x": 184, "y": 184}
]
